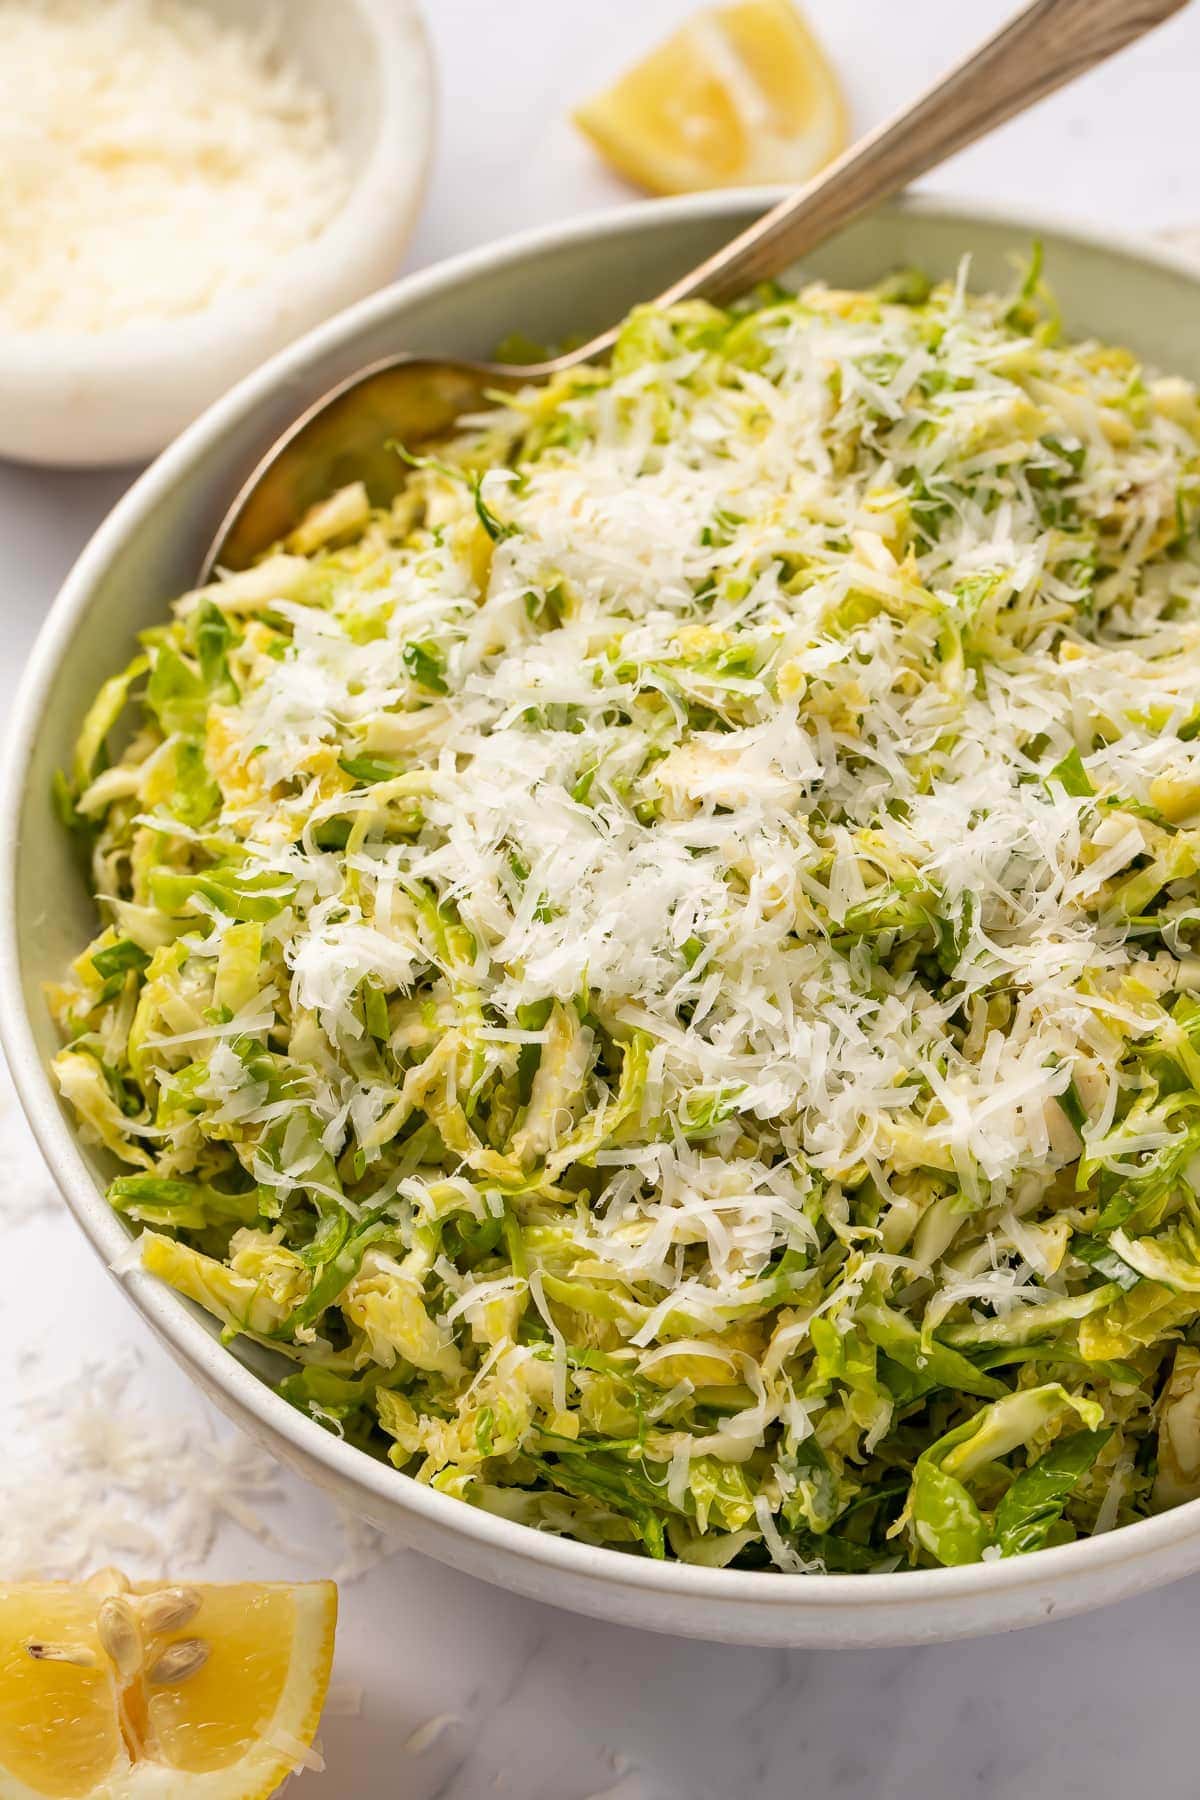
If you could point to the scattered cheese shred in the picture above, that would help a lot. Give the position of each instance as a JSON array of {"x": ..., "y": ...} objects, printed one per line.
[
  {"x": 304, "y": 1756},
  {"x": 426, "y": 1736},
  {"x": 103, "y": 1477}
]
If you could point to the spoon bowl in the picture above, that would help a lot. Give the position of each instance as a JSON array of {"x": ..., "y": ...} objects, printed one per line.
[{"x": 353, "y": 433}]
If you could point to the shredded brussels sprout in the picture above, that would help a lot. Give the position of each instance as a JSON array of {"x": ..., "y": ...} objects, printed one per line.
[{"x": 660, "y": 971}]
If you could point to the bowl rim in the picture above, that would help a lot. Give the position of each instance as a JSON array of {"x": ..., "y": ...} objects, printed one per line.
[
  {"x": 382, "y": 198},
  {"x": 170, "y": 1316}
]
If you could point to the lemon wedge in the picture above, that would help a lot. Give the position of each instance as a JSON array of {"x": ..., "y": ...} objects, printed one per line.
[
  {"x": 741, "y": 93},
  {"x": 113, "y": 1691}
]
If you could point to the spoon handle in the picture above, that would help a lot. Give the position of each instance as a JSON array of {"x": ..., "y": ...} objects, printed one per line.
[{"x": 1043, "y": 46}]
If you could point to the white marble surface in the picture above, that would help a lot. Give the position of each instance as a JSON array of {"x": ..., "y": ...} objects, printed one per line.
[{"x": 549, "y": 1707}]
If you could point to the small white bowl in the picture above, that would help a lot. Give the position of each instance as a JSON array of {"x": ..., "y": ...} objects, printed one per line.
[
  {"x": 86, "y": 399},
  {"x": 576, "y": 276}
]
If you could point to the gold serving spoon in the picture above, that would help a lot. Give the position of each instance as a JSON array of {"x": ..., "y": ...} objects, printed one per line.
[{"x": 345, "y": 435}]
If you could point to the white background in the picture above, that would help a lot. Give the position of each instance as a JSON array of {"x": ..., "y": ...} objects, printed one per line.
[{"x": 550, "y": 1707}]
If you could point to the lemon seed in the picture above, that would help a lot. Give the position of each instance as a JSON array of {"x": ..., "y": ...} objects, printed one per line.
[
  {"x": 117, "y": 1630},
  {"x": 168, "y": 1609},
  {"x": 78, "y": 1654},
  {"x": 178, "y": 1662},
  {"x": 108, "y": 1581}
]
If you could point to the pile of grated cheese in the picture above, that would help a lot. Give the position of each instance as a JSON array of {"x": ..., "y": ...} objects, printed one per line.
[
  {"x": 661, "y": 972},
  {"x": 152, "y": 161},
  {"x": 100, "y": 1474}
]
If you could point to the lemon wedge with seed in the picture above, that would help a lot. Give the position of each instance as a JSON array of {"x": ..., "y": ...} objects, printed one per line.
[
  {"x": 113, "y": 1691},
  {"x": 739, "y": 94}
]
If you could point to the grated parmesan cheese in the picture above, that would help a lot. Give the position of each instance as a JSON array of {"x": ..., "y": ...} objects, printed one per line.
[
  {"x": 152, "y": 161},
  {"x": 101, "y": 1477},
  {"x": 425, "y": 1736},
  {"x": 304, "y": 1756},
  {"x": 99, "y": 1482}
]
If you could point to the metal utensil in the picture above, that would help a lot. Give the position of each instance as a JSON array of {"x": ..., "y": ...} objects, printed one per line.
[{"x": 344, "y": 436}]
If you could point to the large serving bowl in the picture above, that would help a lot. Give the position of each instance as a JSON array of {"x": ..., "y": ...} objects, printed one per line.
[{"x": 570, "y": 278}]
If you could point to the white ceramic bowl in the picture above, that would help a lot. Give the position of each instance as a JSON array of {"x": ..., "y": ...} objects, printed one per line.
[
  {"x": 119, "y": 396},
  {"x": 574, "y": 277}
]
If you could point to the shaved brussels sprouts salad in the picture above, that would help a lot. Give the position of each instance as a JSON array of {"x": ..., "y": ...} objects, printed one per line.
[{"x": 659, "y": 972}]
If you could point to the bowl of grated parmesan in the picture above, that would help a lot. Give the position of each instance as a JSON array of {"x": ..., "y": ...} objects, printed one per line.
[
  {"x": 635, "y": 1014},
  {"x": 185, "y": 187}
]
